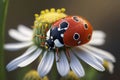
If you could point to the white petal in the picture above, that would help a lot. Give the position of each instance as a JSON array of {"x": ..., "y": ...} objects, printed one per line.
[
  {"x": 76, "y": 65},
  {"x": 89, "y": 59},
  {"x": 29, "y": 50},
  {"x": 62, "y": 64},
  {"x": 48, "y": 34},
  {"x": 104, "y": 54},
  {"x": 17, "y": 46},
  {"x": 25, "y": 30},
  {"x": 98, "y": 38},
  {"x": 99, "y": 58},
  {"x": 110, "y": 67},
  {"x": 31, "y": 58},
  {"x": 46, "y": 63},
  {"x": 18, "y": 36},
  {"x": 97, "y": 34},
  {"x": 13, "y": 64},
  {"x": 96, "y": 42}
]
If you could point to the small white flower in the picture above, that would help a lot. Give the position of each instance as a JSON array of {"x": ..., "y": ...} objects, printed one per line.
[{"x": 93, "y": 56}]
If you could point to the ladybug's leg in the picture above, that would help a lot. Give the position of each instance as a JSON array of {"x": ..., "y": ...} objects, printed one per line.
[
  {"x": 67, "y": 53},
  {"x": 40, "y": 36},
  {"x": 42, "y": 44},
  {"x": 57, "y": 50}
]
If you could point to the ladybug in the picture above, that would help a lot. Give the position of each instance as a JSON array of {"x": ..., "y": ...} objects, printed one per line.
[{"x": 69, "y": 31}]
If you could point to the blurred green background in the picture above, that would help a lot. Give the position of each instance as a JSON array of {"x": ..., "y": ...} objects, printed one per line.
[{"x": 103, "y": 15}]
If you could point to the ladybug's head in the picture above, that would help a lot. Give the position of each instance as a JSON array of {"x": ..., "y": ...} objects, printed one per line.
[{"x": 78, "y": 32}]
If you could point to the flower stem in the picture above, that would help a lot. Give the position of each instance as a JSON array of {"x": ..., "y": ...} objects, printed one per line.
[{"x": 3, "y": 13}]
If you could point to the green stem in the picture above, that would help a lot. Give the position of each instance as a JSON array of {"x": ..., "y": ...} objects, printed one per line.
[{"x": 3, "y": 13}]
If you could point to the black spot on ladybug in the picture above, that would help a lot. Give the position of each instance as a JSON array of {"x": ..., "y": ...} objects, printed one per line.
[
  {"x": 76, "y": 36},
  {"x": 89, "y": 36},
  {"x": 76, "y": 19},
  {"x": 64, "y": 25},
  {"x": 86, "y": 26}
]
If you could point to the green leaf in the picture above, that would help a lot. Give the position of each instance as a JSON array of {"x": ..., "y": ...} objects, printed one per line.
[{"x": 3, "y": 12}]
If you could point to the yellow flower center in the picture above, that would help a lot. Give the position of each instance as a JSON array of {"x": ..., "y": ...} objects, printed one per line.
[
  {"x": 43, "y": 22},
  {"x": 49, "y": 16},
  {"x": 33, "y": 75}
]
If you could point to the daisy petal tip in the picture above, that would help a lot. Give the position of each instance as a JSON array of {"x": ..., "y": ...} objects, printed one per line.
[
  {"x": 10, "y": 68},
  {"x": 40, "y": 73},
  {"x": 114, "y": 59},
  {"x": 25, "y": 30},
  {"x": 10, "y": 31},
  {"x": 103, "y": 69},
  {"x": 9, "y": 47},
  {"x": 111, "y": 71},
  {"x": 100, "y": 67},
  {"x": 64, "y": 74},
  {"x": 82, "y": 75},
  {"x": 100, "y": 33},
  {"x": 110, "y": 67},
  {"x": 5, "y": 47},
  {"x": 46, "y": 63}
]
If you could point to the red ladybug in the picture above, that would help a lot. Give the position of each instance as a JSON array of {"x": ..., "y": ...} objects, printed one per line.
[{"x": 69, "y": 31}]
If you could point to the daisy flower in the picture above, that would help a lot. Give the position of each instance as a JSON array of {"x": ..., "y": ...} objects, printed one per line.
[{"x": 66, "y": 58}]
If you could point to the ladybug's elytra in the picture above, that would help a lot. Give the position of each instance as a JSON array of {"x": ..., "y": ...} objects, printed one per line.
[{"x": 69, "y": 31}]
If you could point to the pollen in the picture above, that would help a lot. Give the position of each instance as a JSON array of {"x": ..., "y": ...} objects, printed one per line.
[
  {"x": 47, "y": 10},
  {"x": 46, "y": 25},
  {"x": 50, "y": 16},
  {"x": 63, "y": 9},
  {"x": 105, "y": 63},
  {"x": 52, "y": 9},
  {"x": 42, "y": 12},
  {"x": 58, "y": 10},
  {"x": 36, "y": 15}
]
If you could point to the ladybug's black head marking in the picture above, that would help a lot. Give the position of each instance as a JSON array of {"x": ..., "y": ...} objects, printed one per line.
[{"x": 64, "y": 25}]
